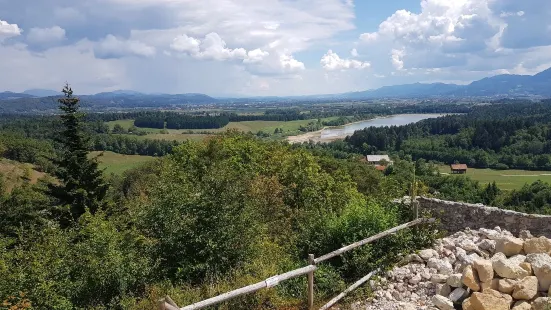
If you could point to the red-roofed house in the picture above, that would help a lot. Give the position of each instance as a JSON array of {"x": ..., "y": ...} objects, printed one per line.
[{"x": 458, "y": 168}]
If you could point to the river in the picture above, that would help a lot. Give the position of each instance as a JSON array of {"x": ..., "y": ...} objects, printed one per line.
[{"x": 336, "y": 133}]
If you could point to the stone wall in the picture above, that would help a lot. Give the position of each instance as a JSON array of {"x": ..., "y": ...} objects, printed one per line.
[{"x": 456, "y": 216}]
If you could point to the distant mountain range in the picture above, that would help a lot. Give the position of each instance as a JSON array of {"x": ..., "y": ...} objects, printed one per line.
[
  {"x": 25, "y": 103},
  {"x": 42, "y": 92},
  {"x": 506, "y": 85}
]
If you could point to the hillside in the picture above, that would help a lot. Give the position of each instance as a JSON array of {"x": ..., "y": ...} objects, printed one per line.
[{"x": 15, "y": 174}]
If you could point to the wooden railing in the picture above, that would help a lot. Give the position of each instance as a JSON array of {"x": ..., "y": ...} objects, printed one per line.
[{"x": 168, "y": 304}]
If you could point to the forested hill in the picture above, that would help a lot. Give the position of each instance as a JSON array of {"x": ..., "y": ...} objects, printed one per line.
[
  {"x": 23, "y": 103},
  {"x": 498, "y": 136}
]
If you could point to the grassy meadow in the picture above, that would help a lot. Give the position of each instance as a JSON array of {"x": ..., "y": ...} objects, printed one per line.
[
  {"x": 291, "y": 127},
  {"x": 118, "y": 163},
  {"x": 505, "y": 179},
  {"x": 15, "y": 173}
]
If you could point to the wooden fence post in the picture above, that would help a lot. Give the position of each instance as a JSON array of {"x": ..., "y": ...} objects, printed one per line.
[
  {"x": 161, "y": 304},
  {"x": 311, "y": 283}
]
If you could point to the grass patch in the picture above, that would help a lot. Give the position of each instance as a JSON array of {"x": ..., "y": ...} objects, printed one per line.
[
  {"x": 125, "y": 123},
  {"x": 118, "y": 163},
  {"x": 15, "y": 173},
  {"x": 505, "y": 179}
]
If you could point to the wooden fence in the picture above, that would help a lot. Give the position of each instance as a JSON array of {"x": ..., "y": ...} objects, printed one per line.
[{"x": 168, "y": 304}]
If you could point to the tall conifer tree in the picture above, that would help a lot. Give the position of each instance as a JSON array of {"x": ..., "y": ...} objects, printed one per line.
[{"x": 81, "y": 184}]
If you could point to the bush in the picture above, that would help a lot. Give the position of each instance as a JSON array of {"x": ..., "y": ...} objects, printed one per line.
[
  {"x": 93, "y": 265},
  {"x": 500, "y": 166}
]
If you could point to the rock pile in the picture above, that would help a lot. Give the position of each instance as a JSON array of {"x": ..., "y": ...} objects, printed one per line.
[{"x": 485, "y": 269}]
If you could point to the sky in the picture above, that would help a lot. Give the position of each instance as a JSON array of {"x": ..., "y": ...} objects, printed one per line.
[{"x": 267, "y": 47}]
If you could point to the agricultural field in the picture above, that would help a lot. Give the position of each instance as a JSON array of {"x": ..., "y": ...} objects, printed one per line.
[
  {"x": 291, "y": 127},
  {"x": 125, "y": 123},
  {"x": 118, "y": 163},
  {"x": 505, "y": 179}
]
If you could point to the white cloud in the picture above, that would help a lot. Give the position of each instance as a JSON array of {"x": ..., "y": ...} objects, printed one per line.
[
  {"x": 185, "y": 44},
  {"x": 443, "y": 34},
  {"x": 113, "y": 47},
  {"x": 290, "y": 64},
  {"x": 509, "y": 14},
  {"x": 273, "y": 43},
  {"x": 331, "y": 62},
  {"x": 397, "y": 59},
  {"x": 369, "y": 37},
  {"x": 255, "y": 56},
  {"x": 8, "y": 30},
  {"x": 77, "y": 63},
  {"x": 46, "y": 35},
  {"x": 212, "y": 47},
  {"x": 260, "y": 39}
]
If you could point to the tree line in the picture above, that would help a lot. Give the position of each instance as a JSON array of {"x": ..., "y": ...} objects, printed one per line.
[{"x": 499, "y": 136}]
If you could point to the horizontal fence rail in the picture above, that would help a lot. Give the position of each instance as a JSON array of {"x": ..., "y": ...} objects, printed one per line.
[
  {"x": 270, "y": 282},
  {"x": 371, "y": 239},
  {"x": 168, "y": 304}
]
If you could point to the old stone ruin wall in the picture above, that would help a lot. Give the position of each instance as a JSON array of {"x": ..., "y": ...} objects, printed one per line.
[{"x": 456, "y": 216}]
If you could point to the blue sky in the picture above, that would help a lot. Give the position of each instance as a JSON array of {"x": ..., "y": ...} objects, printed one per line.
[{"x": 267, "y": 47}]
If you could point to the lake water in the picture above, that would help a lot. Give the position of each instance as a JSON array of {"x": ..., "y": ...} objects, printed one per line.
[{"x": 394, "y": 120}]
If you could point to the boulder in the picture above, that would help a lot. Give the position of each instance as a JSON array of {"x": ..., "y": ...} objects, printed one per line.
[
  {"x": 526, "y": 288},
  {"x": 468, "y": 245},
  {"x": 443, "y": 266},
  {"x": 522, "y": 305},
  {"x": 490, "y": 234},
  {"x": 428, "y": 254},
  {"x": 438, "y": 278},
  {"x": 470, "y": 278},
  {"x": 487, "y": 245},
  {"x": 509, "y": 245},
  {"x": 455, "y": 280},
  {"x": 497, "y": 256},
  {"x": 490, "y": 300},
  {"x": 442, "y": 303},
  {"x": 541, "y": 264},
  {"x": 415, "y": 279},
  {"x": 537, "y": 245},
  {"x": 517, "y": 259},
  {"x": 443, "y": 290},
  {"x": 541, "y": 303},
  {"x": 413, "y": 258},
  {"x": 458, "y": 295},
  {"x": 484, "y": 269},
  {"x": 525, "y": 234},
  {"x": 526, "y": 266},
  {"x": 467, "y": 304},
  {"x": 507, "y": 269},
  {"x": 506, "y": 285},
  {"x": 492, "y": 284}
]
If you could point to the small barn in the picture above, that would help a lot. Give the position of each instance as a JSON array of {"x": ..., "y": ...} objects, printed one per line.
[
  {"x": 458, "y": 168},
  {"x": 377, "y": 159}
]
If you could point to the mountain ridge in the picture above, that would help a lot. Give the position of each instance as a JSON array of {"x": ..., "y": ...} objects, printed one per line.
[{"x": 505, "y": 85}]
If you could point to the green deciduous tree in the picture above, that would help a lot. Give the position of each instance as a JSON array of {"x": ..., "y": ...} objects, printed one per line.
[{"x": 81, "y": 185}]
